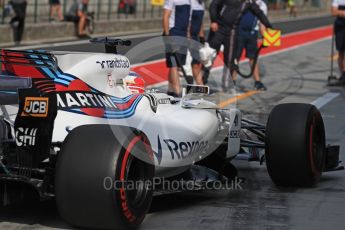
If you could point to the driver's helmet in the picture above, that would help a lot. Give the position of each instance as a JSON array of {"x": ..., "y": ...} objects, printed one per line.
[{"x": 135, "y": 83}]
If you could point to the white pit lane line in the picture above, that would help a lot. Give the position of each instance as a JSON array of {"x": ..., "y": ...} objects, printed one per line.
[{"x": 325, "y": 99}]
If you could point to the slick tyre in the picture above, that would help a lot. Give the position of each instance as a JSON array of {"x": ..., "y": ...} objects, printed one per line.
[
  {"x": 94, "y": 171},
  {"x": 295, "y": 145}
]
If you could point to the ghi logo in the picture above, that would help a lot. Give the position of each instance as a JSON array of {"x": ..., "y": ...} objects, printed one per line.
[
  {"x": 26, "y": 136},
  {"x": 35, "y": 107}
]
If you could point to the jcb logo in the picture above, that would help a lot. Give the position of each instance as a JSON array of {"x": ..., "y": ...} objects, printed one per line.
[{"x": 35, "y": 107}]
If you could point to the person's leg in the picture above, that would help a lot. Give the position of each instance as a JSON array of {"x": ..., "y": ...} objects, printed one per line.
[
  {"x": 23, "y": 7},
  {"x": 230, "y": 52},
  {"x": 228, "y": 77},
  {"x": 194, "y": 49},
  {"x": 59, "y": 12},
  {"x": 258, "y": 85},
  {"x": 197, "y": 74},
  {"x": 339, "y": 32},
  {"x": 256, "y": 72},
  {"x": 341, "y": 60},
  {"x": 51, "y": 14},
  {"x": 20, "y": 29},
  {"x": 173, "y": 75},
  {"x": 14, "y": 22},
  {"x": 240, "y": 46},
  {"x": 174, "y": 81},
  {"x": 340, "y": 46},
  {"x": 81, "y": 25},
  {"x": 252, "y": 53},
  {"x": 15, "y": 26}
]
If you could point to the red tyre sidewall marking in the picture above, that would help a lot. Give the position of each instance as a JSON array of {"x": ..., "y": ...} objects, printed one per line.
[{"x": 126, "y": 212}]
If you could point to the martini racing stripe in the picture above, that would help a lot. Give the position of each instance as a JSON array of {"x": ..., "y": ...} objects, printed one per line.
[
  {"x": 59, "y": 75},
  {"x": 121, "y": 100},
  {"x": 82, "y": 102},
  {"x": 123, "y": 114}
]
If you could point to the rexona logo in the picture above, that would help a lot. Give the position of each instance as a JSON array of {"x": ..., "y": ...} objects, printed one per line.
[
  {"x": 26, "y": 136},
  {"x": 185, "y": 149},
  {"x": 35, "y": 107}
]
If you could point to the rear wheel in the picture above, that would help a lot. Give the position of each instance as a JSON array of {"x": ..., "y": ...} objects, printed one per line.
[
  {"x": 295, "y": 145},
  {"x": 99, "y": 179}
]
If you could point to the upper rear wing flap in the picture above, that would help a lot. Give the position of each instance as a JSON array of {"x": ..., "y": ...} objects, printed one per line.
[{"x": 42, "y": 59}]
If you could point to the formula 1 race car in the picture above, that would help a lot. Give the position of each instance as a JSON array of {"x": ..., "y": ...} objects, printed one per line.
[{"x": 85, "y": 128}]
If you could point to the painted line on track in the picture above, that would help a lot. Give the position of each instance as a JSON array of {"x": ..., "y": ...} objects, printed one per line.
[
  {"x": 233, "y": 100},
  {"x": 325, "y": 99}
]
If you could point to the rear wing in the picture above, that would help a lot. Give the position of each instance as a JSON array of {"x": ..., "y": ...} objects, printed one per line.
[
  {"x": 32, "y": 58},
  {"x": 18, "y": 68}
]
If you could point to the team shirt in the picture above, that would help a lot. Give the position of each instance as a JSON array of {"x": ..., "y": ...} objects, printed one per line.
[
  {"x": 198, "y": 5},
  {"x": 262, "y": 5},
  {"x": 337, "y": 3},
  {"x": 77, "y": 6},
  {"x": 249, "y": 22},
  {"x": 180, "y": 15}
]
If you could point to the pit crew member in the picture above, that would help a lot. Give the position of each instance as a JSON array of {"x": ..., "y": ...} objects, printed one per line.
[
  {"x": 338, "y": 10},
  {"x": 176, "y": 19},
  {"x": 225, "y": 17}
]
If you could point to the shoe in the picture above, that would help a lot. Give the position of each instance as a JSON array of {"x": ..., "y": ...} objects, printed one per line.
[
  {"x": 342, "y": 79},
  {"x": 173, "y": 94},
  {"x": 83, "y": 36},
  {"x": 260, "y": 86},
  {"x": 337, "y": 82}
]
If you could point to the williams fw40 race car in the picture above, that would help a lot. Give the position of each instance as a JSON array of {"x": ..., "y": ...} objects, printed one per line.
[{"x": 83, "y": 129}]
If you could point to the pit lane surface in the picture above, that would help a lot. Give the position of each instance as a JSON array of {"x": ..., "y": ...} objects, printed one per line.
[{"x": 298, "y": 75}]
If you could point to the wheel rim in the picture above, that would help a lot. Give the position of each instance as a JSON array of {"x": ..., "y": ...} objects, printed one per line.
[
  {"x": 134, "y": 175},
  {"x": 137, "y": 174}
]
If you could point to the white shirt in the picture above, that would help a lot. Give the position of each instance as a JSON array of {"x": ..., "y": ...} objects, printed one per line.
[
  {"x": 336, "y": 3},
  {"x": 262, "y": 5},
  {"x": 175, "y": 6},
  {"x": 197, "y": 6}
]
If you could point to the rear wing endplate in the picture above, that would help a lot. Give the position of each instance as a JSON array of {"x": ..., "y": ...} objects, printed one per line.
[{"x": 31, "y": 58}]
